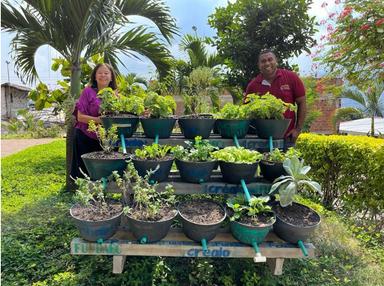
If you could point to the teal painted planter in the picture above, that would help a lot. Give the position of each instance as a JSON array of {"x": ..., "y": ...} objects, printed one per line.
[
  {"x": 192, "y": 127},
  {"x": 142, "y": 166},
  {"x": 103, "y": 168},
  {"x": 250, "y": 233},
  {"x": 195, "y": 172},
  {"x": 229, "y": 128},
  {"x": 125, "y": 125},
  {"x": 158, "y": 126},
  {"x": 265, "y": 128},
  {"x": 95, "y": 230}
]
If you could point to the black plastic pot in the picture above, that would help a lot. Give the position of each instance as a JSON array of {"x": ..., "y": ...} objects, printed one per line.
[
  {"x": 99, "y": 168},
  {"x": 125, "y": 125},
  {"x": 195, "y": 172},
  {"x": 152, "y": 230},
  {"x": 230, "y": 128},
  {"x": 95, "y": 230},
  {"x": 142, "y": 166},
  {"x": 234, "y": 172},
  {"x": 271, "y": 170},
  {"x": 192, "y": 127},
  {"x": 293, "y": 233},
  {"x": 270, "y": 127},
  {"x": 197, "y": 232},
  {"x": 158, "y": 126}
]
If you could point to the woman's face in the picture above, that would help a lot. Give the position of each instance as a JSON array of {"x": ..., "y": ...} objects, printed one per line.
[{"x": 103, "y": 77}]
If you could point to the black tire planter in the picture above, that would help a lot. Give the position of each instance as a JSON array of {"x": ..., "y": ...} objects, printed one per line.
[
  {"x": 142, "y": 166},
  {"x": 158, "y": 126},
  {"x": 126, "y": 125},
  {"x": 152, "y": 230},
  {"x": 215, "y": 129},
  {"x": 195, "y": 172},
  {"x": 293, "y": 233},
  {"x": 234, "y": 172},
  {"x": 270, "y": 127},
  {"x": 192, "y": 127},
  {"x": 103, "y": 168},
  {"x": 95, "y": 230},
  {"x": 229, "y": 128},
  {"x": 272, "y": 170},
  {"x": 196, "y": 231}
]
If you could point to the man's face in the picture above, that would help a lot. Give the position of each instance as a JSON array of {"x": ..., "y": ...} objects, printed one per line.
[{"x": 267, "y": 64}]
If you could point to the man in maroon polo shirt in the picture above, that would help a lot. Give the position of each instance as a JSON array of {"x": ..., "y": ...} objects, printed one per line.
[{"x": 283, "y": 84}]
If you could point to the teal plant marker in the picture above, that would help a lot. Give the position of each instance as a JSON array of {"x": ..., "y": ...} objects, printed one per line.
[
  {"x": 204, "y": 244},
  {"x": 123, "y": 143},
  {"x": 245, "y": 189},
  {"x": 143, "y": 240},
  {"x": 302, "y": 247},
  {"x": 104, "y": 180},
  {"x": 152, "y": 182},
  {"x": 157, "y": 139},
  {"x": 236, "y": 141},
  {"x": 100, "y": 241},
  {"x": 258, "y": 257},
  {"x": 270, "y": 144},
  {"x": 201, "y": 181}
]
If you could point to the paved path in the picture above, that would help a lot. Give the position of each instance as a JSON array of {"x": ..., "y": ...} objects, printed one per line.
[{"x": 11, "y": 146}]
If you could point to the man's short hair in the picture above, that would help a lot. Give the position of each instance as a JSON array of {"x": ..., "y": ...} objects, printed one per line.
[{"x": 266, "y": 51}]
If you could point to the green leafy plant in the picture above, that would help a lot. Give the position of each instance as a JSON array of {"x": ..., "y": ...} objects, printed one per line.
[
  {"x": 232, "y": 111},
  {"x": 160, "y": 106},
  {"x": 288, "y": 186},
  {"x": 241, "y": 208},
  {"x": 107, "y": 138},
  {"x": 197, "y": 151},
  {"x": 116, "y": 104},
  {"x": 237, "y": 155},
  {"x": 279, "y": 156},
  {"x": 153, "y": 151},
  {"x": 147, "y": 202},
  {"x": 267, "y": 106}
]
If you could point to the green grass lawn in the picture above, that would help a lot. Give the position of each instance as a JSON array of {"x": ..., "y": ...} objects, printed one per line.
[{"x": 36, "y": 235}]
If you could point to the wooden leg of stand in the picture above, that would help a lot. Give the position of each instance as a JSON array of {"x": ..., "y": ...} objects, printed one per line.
[
  {"x": 276, "y": 265},
  {"x": 118, "y": 263}
]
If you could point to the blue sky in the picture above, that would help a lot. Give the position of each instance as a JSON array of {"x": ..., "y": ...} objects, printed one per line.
[{"x": 187, "y": 13}]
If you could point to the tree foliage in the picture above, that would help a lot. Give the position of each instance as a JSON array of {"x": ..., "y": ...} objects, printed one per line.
[
  {"x": 356, "y": 42},
  {"x": 246, "y": 27}
]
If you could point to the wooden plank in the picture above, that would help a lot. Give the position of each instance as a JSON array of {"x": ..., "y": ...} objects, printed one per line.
[
  {"x": 176, "y": 244},
  {"x": 249, "y": 142},
  {"x": 118, "y": 264},
  {"x": 276, "y": 265}
]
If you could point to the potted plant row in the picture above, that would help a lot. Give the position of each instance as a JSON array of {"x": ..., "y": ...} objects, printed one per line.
[{"x": 232, "y": 121}]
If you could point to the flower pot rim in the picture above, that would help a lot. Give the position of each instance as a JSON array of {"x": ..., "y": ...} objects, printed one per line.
[
  {"x": 199, "y": 200},
  {"x": 171, "y": 158},
  {"x": 237, "y": 163},
  {"x": 104, "y": 220},
  {"x": 270, "y": 119},
  {"x": 301, "y": 227},
  {"x": 196, "y": 162},
  {"x": 120, "y": 115},
  {"x": 232, "y": 119},
  {"x": 161, "y": 118},
  {"x": 127, "y": 156},
  {"x": 154, "y": 222},
  {"x": 187, "y": 117}
]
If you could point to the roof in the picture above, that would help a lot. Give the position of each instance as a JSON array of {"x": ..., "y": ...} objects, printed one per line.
[
  {"x": 16, "y": 86},
  {"x": 362, "y": 126}
]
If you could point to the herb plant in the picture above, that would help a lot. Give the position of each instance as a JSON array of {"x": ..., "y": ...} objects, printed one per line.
[
  {"x": 159, "y": 106},
  {"x": 237, "y": 155},
  {"x": 267, "y": 106},
  {"x": 278, "y": 156},
  {"x": 147, "y": 202},
  {"x": 288, "y": 186},
  {"x": 116, "y": 104},
  {"x": 232, "y": 111},
  {"x": 153, "y": 152},
  {"x": 107, "y": 138},
  {"x": 198, "y": 151},
  {"x": 242, "y": 208}
]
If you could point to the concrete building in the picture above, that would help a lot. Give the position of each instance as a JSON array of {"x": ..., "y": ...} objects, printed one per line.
[{"x": 13, "y": 98}]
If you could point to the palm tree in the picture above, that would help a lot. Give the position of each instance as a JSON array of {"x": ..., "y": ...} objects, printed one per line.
[
  {"x": 370, "y": 103},
  {"x": 84, "y": 28}
]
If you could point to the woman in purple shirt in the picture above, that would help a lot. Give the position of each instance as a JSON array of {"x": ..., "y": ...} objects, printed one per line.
[{"x": 86, "y": 109}]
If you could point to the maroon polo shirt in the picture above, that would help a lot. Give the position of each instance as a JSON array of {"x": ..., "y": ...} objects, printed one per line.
[{"x": 287, "y": 86}]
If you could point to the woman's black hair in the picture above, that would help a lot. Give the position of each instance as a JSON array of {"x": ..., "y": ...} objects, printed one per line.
[{"x": 93, "y": 81}]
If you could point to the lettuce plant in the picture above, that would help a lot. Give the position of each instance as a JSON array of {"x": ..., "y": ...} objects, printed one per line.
[
  {"x": 278, "y": 156},
  {"x": 160, "y": 106},
  {"x": 232, "y": 111},
  {"x": 198, "y": 151},
  {"x": 237, "y": 155},
  {"x": 288, "y": 186},
  {"x": 153, "y": 152},
  {"x": 116, "y": 104}
]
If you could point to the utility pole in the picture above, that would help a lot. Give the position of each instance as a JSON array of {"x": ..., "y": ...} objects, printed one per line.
[{"x": 9, "y": 91}]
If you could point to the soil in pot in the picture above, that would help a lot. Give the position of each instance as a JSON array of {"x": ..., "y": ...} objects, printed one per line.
[
  {"x": 260, "y": 219},
  {"x": 164, "y": 214},
  {"x": 107, "y": 156},
  {"x": 93, "y": 214},
  {"x": 297, "y": 214},
  {"x": 202, "y": 212}
]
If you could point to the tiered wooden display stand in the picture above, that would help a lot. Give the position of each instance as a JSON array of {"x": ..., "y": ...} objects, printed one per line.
[{"x": 176, "y": 244}]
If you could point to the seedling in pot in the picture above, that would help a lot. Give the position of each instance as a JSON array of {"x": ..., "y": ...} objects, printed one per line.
[{"x": 107, "y": 138}]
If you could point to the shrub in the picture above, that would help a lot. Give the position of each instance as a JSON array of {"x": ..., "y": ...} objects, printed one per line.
[{"x": 350, "y": 170}]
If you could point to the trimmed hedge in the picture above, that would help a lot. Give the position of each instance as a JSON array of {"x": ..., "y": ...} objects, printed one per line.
[{"x": 350, "y": 170}]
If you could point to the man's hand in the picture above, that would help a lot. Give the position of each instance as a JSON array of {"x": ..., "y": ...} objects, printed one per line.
[{"x": 293, "y": 134}]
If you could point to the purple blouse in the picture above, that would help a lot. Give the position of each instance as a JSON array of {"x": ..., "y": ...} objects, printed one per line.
[{"x": 88, "y": 104}]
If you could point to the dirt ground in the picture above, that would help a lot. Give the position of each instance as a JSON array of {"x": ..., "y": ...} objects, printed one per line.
[{"x": 11, "y": 146}]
